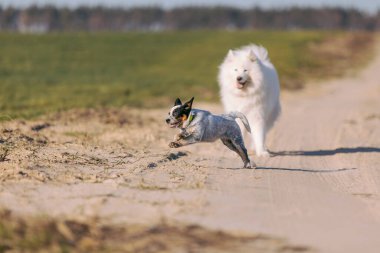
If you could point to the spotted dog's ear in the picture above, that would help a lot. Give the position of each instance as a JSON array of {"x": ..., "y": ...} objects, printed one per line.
[
  {"x": 189, "y": 104},
  {"x": 177, "y": 102}
]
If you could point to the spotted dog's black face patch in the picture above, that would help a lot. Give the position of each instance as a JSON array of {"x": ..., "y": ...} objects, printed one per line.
[
  {"x": 186, "y": 108},
  {"x": 179, "y": 113},
  {"x": 176, "y": 113}
]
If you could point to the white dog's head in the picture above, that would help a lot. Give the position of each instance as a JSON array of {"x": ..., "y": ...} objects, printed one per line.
[{"x": 241, "y": 67}]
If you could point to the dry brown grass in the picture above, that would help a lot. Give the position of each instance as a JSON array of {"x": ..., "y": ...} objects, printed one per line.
[
  {"x": 49, "y": 235},
  {"x": 340, "y": 55}
]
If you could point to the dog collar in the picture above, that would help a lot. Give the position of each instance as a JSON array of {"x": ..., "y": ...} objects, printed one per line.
[
  {"x": 191, "y": 117},
  {"x": 189, "y": 120}
]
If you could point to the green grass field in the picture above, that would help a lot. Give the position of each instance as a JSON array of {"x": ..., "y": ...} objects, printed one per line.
[{"x": 47, "y": 73}]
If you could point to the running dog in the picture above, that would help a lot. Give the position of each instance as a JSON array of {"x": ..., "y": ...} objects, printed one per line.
[
  {"x": 201, "y": 126},
  {"x": 249, "y": 84}
]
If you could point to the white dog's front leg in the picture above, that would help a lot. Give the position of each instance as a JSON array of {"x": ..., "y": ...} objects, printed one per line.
[{"x": 258, "y": 140}]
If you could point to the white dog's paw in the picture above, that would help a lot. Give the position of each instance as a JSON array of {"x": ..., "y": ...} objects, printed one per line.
[{"x": 263, "y": 153}]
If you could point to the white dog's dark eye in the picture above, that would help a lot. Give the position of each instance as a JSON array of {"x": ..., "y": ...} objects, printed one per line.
[{"x": 235, "y": 69}]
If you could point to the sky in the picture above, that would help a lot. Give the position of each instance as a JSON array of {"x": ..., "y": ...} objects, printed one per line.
[{"x": 370, "y": 6}]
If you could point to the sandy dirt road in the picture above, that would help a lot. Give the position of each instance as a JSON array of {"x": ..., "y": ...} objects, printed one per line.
[{"x": 320, "y": 192}]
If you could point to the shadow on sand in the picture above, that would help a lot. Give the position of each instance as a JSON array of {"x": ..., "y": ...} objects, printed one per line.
[
  {"x": 327, "y": 152},
  {"x": 306, "y": 170},
  {"x": 294, "y": 169}
]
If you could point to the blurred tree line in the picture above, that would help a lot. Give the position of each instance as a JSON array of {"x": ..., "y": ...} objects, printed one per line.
[{"x": 44, "y": 19}]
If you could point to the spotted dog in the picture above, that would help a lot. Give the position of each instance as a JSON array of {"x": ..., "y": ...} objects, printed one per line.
[{"x": 202, "y": 126}]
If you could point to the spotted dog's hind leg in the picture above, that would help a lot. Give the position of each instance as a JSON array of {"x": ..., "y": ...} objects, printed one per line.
[
  {"x": 229, "y": 145},
  {"x": 240, "y": 150}
]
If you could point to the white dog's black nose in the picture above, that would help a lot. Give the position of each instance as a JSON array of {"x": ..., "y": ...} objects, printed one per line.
[
  {"x": 167, "y": 121},
  {"x": 239, "y": 78}
]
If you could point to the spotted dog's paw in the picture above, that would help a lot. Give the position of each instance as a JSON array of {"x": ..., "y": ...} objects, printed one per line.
[
  {"x": 174, "y": 145},
  {"x": 251, "y": 165},
  {"x": 177, "y": 137}
]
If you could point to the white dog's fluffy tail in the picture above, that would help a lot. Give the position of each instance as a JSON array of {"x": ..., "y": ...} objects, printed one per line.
[
  {"x": 260, "y": 51},
  {"x": 241, "y": 116}
]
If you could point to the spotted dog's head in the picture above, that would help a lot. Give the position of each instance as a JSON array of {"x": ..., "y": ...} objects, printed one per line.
[{"x": 179, "y": 113}]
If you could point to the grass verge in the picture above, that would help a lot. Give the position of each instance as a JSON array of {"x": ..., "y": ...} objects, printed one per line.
[{"x": 52, "y": 72}]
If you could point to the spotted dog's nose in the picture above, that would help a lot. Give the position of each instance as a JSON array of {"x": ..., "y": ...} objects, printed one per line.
[{"x": 167, "y": 121}]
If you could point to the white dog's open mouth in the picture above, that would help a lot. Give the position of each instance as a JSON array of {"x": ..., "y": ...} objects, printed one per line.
[{"x": 241, "y": 84}]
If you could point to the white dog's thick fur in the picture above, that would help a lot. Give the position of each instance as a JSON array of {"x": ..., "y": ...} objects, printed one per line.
[{"x": 249, "y": 84}]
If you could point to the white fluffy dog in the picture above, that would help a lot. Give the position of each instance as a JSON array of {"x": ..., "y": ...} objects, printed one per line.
[{"x": 249, "y": 84}]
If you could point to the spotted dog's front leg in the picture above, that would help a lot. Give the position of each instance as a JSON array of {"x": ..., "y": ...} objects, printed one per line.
[
  {"x": 174, "y": 144},
  {"x": 178, "y": 137},
  {"x": 182, "y": 135},
  {"x": 183, "y": 142},
  {"x": 181, "y": 139}
]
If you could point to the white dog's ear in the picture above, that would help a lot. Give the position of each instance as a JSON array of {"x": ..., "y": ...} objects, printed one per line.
[
  {"x": 252, "y": 57},
  {"x": 230, "y": 54}
]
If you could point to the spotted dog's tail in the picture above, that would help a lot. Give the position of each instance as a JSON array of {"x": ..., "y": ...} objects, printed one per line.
[{"x": 241, "y": 116}]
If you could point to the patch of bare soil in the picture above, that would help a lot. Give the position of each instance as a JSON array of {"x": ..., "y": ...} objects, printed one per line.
[{"x": 94, "y": 146}]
